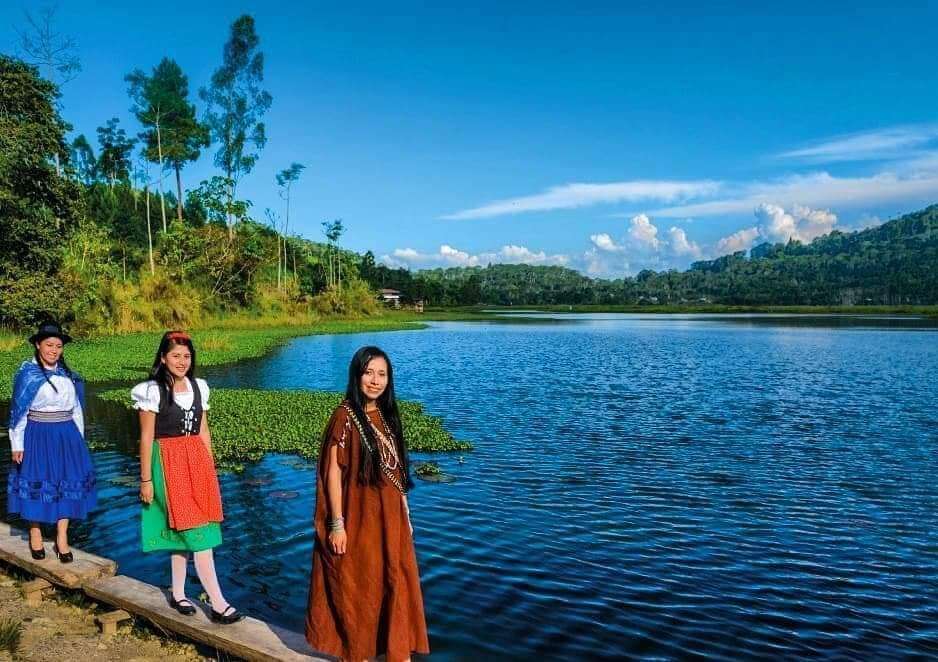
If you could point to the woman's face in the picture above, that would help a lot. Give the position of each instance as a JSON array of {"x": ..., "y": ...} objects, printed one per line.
[
  {"x": 50, "y": 350},
  {"x": 375, "y": 378},
  {"x": 177, "y": 360}
]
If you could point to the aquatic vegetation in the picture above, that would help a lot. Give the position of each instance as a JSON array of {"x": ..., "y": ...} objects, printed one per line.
[
  {"x": 427, "y": 469},
  {"x": 128, "y": 357},
  {"x": 248, "y": 423},
  {"x": 431, "y": 472}
]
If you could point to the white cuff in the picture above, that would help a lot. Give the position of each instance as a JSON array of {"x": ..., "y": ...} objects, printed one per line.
[
  {"x": 17, "y": 435},
  {"x": 79, "y": 417}
]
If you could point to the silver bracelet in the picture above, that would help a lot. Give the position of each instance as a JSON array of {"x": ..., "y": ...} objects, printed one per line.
[{"x": 336, "y": 524}]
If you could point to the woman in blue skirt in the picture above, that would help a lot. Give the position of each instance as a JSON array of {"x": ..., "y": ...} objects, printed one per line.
[{"x": 52, "y": 479}]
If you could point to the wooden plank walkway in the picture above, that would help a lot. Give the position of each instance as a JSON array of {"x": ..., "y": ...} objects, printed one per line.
[
  {"x": 250, "y": 638},
  {"x": 14, "y": 549}
]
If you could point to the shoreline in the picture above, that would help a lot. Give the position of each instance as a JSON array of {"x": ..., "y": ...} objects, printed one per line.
[
  {"x": 469, "y": 313},
  {"x": 127, "y": 357},
  {"x": 93, "y": 592},
  {"x": 63, "y": 627},
  {"x": 116, "y": 362}
]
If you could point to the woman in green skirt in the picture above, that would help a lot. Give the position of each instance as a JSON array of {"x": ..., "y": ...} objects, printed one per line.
[{"x": 182, "y": 508}]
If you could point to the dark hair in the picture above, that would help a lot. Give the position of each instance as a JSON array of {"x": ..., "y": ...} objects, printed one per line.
[
  {"x": 159, "y": 372},
  {"x": 369, "y": 471},
  {"x": 61, "y": 362}
]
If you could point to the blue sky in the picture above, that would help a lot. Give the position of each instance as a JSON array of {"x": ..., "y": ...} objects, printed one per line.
[{"x": 606, "y": 137}]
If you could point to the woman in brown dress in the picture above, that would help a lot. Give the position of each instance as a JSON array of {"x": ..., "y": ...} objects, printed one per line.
[{"x": 364, "y": 594}]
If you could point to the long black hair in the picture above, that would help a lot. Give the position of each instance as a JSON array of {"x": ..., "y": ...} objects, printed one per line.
[
  {"x": 369, "y": 471},
  {"x": 45, "y": 373},
  {"x": 159, "y": 372}
]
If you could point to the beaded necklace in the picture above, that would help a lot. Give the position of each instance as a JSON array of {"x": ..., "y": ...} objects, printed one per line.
[{"x": 387, "y": 446}]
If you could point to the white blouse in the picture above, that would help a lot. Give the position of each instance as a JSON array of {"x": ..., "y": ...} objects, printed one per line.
[
  {"x": 47, "y": 399},
  {"x": 146, "y": 395}
]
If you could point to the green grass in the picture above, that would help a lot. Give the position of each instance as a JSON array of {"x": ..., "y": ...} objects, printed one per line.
[
  {"x": 248, "y": 423},
  {"x": 11, "y": 632},
  {"x": 129, "y": 357}
]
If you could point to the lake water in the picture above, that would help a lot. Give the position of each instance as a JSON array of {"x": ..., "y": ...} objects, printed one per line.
[{"x": 641, "y": 486}]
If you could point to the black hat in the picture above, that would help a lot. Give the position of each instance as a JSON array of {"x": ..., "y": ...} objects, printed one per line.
[{"x": 49, "y": 330}]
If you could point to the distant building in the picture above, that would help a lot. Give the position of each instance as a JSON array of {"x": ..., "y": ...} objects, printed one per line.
[{"x": 390, "y": 297}]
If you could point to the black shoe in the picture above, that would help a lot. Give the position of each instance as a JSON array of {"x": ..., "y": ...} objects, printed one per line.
[
  {"x": 227, "y": 617},
  {"x": 184, "y": 606},
  {"x": 63, "y": 558},
  {"x": 38, "y": 554}
]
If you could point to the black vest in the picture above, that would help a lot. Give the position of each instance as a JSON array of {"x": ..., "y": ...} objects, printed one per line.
[{"x": 174, "y": 421}]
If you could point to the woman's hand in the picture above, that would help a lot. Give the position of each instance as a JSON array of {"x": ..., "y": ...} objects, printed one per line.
[
  {"x": 18, "y": 457},
  {"x": 407, "y": 514},
  {"x": 338, "y": 541},
  {"x": 146, "y": 492}
]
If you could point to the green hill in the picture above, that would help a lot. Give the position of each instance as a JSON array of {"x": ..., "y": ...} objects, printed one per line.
[{"x": 892, "y": 264}]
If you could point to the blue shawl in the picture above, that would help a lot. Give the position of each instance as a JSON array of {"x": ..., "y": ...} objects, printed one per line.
[{"x": 29, "y": 379}]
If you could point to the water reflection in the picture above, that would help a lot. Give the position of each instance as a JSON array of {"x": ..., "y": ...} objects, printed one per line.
[{"x": 642, "y": 486}]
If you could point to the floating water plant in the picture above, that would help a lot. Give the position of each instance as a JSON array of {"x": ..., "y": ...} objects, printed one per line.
[
  {"x": 431, "y": 472},
  {"x": 248, "y": 423},
  {"x": 427, "y": 469}
]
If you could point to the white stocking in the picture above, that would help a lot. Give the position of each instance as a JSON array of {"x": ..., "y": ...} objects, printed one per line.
[
  {"x": 179, "y": 563},
  {"x": 205, "y": 567}
]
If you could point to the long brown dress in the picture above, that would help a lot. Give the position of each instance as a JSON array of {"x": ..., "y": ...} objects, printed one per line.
[{"x": 366, "y": 602}]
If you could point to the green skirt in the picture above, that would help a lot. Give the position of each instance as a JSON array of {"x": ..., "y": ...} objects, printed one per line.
[{"x": 154, "y": 520}]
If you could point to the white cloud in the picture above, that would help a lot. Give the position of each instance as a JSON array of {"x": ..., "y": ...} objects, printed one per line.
[
  {"x": 640, "y": 248},
  {"x": 864, "y": 222},
  {"x": 885, "y": 143},
  {"x": 572, "y": 196},
  {"x": 457, "y": 258},
  {"x": 643, "y": 232},
  {"x": 818, "y": 189},
  {"x": 681, "y": 245},
  {"x": 741, "y": 240},
  {"x": 779, "y": 225},
  {"x": 521, "y": 255},
  {"x": 921, "y": 164},
  {"x": 449, "y": 256},
  {"x": 801, "y": 223},
  {"x": 606, "y": 243}
]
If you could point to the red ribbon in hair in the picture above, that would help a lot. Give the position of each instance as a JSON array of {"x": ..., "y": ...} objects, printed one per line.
[{"x": 179, "y": 335}]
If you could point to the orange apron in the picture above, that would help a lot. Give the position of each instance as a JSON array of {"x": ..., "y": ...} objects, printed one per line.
[{"x": 193, "y": 497}]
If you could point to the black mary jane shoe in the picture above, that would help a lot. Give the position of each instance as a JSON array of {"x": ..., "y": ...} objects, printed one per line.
[
  {"x": 67, "y": 557},
  {"x": 184, "y": 606},
  {"x": 38, "y": 554},
  {"x": 227, "y": 617}
]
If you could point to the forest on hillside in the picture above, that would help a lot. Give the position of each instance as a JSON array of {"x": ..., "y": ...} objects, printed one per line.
[
  {"x": 895, "y": 263},
  {"x": 103, "y": 234}
]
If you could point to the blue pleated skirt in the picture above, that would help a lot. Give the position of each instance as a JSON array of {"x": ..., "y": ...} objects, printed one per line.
[{"x": 56, "y": 479}]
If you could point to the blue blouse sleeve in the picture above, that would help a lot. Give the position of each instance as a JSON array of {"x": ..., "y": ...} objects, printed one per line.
[{"x": 26, "y": 384}]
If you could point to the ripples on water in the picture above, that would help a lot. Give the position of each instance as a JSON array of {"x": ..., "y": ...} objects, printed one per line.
[{"x": 658, "y": 488}]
